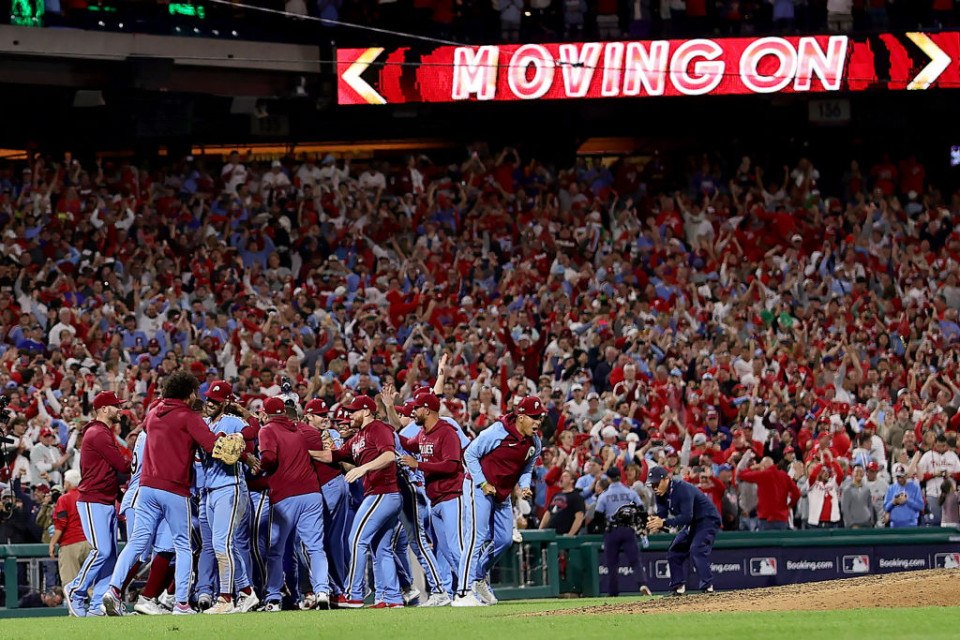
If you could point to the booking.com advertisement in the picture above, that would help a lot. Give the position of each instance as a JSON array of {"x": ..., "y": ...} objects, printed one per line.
[{"x": 638, "y": 69}]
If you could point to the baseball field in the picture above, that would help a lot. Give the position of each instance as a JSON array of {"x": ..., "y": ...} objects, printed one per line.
[{"x": 909, "y": 605}]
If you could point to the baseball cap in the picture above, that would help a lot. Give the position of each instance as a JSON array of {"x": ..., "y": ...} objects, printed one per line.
[
  {"x": 106, "y": 399},
  {"x": 899, "y": 470},
  {"x": 341, "y": 415},
  {"x": 317, "y": 407},
  {"x": 593, "y": 395},
  {"x": 789, "y": 450},
  {"x": 153, "y": 343},
  {"x": 274, "y": 407},
  {"x": 428, "y": 400},
  {"x": 576, "y": 387},
  {"x": 726, "y": 467},
  {"x": 406, "y": 409},
  {"x": 45, "y": 432},
  {"x": 656, "y": 475},
  {"x": 608, "y": 432},
  {"x": 676, "y": 372},
  {"x": 873, "y": 466},
  {"x": 362, "y": 402},
  {"x": 613, "y": 473},
  {"x": 219, "y": 391},
  {"x": 530, "y": 406},
  {"x": 699, "y": 438}
]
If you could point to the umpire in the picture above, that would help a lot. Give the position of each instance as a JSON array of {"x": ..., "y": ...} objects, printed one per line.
[
  {"x": 683, "y": 506},
  {"x": 621, "y": 507}
]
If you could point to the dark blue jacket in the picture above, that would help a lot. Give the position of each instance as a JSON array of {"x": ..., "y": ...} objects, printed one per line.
[{"x": 685, "y": 505}]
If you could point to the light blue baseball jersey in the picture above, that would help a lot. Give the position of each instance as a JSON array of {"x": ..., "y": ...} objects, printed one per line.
[{"x": 216, "y": 474}]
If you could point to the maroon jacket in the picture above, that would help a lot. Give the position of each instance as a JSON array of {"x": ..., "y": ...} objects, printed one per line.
[
  {"x": 283, "y": 454},
  {"x": 365, "y": 446},
  {"x": 174, "y": 431},
  {"x": 100, "y": 462},
  {"x": 314, "y": 441},
  {"x": 439, "y": 451}
]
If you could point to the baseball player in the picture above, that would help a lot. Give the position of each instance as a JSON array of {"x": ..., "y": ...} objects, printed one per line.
[
  {"x": 415, "y": 515},
  {"x": 100, "y": 464},
  {"x": 316, "y": 429},
  {"x": 683, "y": 506},
  {"x": 295, "y": 505},
  {"x": 173, "y": 429},
  {"x": 438, "y": 447},
  {"x": 157, "y": 580},
  {"x": 499, "y": 459},
  {"x": 620, "y": 536},
  {"x": 227, "y": 502},
  {"x": 372, "y": 449}
]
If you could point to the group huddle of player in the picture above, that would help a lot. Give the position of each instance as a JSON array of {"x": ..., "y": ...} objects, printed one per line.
[{"x": 291, "y": 514}]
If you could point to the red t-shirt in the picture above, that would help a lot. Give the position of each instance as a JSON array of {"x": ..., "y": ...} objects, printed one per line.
[{"x": 66, "y": 518}]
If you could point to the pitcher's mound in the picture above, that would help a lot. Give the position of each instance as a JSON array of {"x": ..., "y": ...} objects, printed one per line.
[{"x": 932, "y": 588}]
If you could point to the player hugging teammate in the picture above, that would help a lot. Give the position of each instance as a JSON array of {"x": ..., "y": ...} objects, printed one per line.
[{"x": 285, "y": 509}]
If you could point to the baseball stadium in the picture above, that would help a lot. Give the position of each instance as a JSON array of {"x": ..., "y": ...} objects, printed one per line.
[{"x": 595, "y": 317}]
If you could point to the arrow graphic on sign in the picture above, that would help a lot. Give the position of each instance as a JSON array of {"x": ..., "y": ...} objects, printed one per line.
[
  {"x": 352, "y": 76},
  {"x": 939, "y": 61}
]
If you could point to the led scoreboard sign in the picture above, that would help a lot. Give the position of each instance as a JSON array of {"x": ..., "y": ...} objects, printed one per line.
[{"x": 597, "y": 70}]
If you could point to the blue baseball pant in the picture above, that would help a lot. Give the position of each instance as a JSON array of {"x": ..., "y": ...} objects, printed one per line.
[
  {"x": 153, "y": 506},
  {"x": 373, "y": 528},
  {"x": 415, "y": 517},
  {"x": 225, "y": 509},
  {"x": 448, "y": 534},
  {"x": 302, "y": 514},
  {"x": 484, "y": 521},
  {"x": 99, "y": 522},
  {"x": 260, "y": 530},
  {"x": 207, "y": 560},
  {"x": 335, "y": 509}
]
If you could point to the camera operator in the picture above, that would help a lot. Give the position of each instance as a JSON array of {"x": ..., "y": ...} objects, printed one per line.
[
  {"x": 624, "y": 512},
  {"x": 16, "y": 524}
]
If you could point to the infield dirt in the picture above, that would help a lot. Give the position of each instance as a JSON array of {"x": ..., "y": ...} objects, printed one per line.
[{"x": 933, "y": 588}]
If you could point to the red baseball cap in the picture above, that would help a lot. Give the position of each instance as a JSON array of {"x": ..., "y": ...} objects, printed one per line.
[
  {"x": 873, "y": 466},
  {"x": 317, "y": 407},
  {"x": 406, "y": 409},
  {"x": 362, "y": 402},
  {"x": 341, "y": 415},
  {"x": 428, "y": 400},
  {"x": 531, "y": 406},
  {"x": 219, "y": 391},
  {"x": 789, "y": 450},
  {"x": 46, "y": 432},
  {"x": 106, "y": 399},
  {"x": 274, "y": 407}
]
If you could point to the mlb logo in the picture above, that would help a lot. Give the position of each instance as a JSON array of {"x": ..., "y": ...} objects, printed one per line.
[
  {"x": 661, "y": 569},
  {"x": 856, "y": 564},
  {"x": 763, "y": 566},
  {"x": 947, "y": 560}
]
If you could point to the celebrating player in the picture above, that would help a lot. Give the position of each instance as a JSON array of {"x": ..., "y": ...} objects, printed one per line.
[
  {"x": 295, "y": 505},
  {"x": 174, "y": 430},
  {"x": 100, "y": 463},
  {"x": 372, "y": 450},
  {"x": 497, "y": 460}
]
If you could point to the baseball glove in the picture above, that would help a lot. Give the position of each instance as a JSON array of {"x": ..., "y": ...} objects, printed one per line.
[{"x": 228, "y": 449}]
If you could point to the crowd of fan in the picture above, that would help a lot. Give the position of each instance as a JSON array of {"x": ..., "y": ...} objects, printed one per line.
[{"x": 793, "y": 354}]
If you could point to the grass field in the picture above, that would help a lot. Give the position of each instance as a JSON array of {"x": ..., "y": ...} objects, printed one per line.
[{"x": 502, "y": 622}]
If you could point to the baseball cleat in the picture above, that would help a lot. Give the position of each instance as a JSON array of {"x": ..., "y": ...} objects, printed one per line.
[
  {"x": 438, "y": 599},
  {"x": 167, "y": 600},
  {"x": 709, "y": 589},
  {"x": 410, "y": 594},
  {"x": 183, "y": 609},
  {"x": 273, "y": 607},
  {"x": 76, "y": 608},
  {"x": 678, "y": 591},
  {"x": 148, "y": 607},
  {"x": 204, "y": 601},
  {"x": 323, "y": 600},
  {"x": 112, "y": 604},
  {"x": 469, "y": 599},
  {"x": 223, "y": 606},
  {"x": 387, "y": 605},
  {"x": 645, "y": 591},
  {"x": 346, "y": 603},
  {"x": 246, "y": 602},
  {"x": 484, "y": 592},
  {"x": 309, "y": 602}
]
